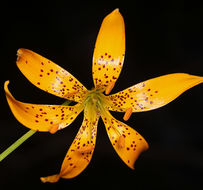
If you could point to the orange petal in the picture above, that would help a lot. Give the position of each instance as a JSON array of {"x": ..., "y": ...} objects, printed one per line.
[
  {"x": 81, "y": 150},
  {"x": 42, "y": 117},
  {"x": 127, "y": 142},
  {"x": 109, "y": 50},
  {"x": 153, "y": 93},
  {"x": 48, "y": 76}
]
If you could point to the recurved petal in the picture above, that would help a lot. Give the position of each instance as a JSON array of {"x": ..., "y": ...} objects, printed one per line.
[
  {"x": 109, "y": 51},
  {"x": 42, "y": 117},
  {"x": 81, "y": 150},
  {"x": 127, "y": 142},
  {"x": 48, "y": 76},
  {"x": 153, "y": 93}
]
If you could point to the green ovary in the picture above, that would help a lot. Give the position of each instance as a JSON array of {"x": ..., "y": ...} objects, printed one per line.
[{"x": 95, "y": 102}]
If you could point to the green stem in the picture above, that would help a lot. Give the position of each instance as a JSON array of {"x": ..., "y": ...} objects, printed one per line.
[
  {"x": 22, "y": 139},
  {"x": 66, "y": 103},
  {"x": 16, "y": 144}
]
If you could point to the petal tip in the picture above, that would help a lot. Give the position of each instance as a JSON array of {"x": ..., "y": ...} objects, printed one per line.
[
  {"x": 19, "y": 51},
  {"x": 115, "y": 13},
  {"x": 50, "y": 179},
  {"x": 19, "y": 54},
  {"x": 116, "y": 10},
  {"x": 6, "y": 83},
  {"x": 132, "y": 167},
  {"x": 146, "y": 146}
]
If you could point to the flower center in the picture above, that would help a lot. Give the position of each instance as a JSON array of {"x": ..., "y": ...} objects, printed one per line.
[{"x": 96, "y": 101}]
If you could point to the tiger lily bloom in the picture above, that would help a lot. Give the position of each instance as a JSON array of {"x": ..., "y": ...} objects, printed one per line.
[{"x": 107, "y": 64}]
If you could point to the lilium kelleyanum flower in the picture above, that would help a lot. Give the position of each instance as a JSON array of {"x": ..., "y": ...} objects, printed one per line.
[{"x": 106, "y": 67}]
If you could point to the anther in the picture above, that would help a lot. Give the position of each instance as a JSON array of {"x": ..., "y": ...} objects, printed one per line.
[
  {"x": 86, "y": 149},
  {"x": 54, "y": 128},
  {"x": 109, "y": 88},
  {"x": 121, "y": 142},
  {"x": 128, "y": 113}
]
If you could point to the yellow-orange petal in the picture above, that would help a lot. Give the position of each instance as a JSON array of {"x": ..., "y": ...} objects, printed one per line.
[
  {"x": 127, "y": 142},
  {"x": 109, "y": 51},
  {"x": 42, "y": 117},
  {"x": 153, "y": 93},
  {"x": 82, "y": 148},
  {"x": 48, "y": 76}
]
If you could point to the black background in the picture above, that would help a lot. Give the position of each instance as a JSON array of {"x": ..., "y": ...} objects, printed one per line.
[{"x": 161, "y": 37}]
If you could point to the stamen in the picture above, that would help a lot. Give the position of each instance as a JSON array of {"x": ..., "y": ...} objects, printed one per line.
[
  {"x": 109, "y": 88},
  {"x": 54, "y": 128},
  {"x": 86, "y": 149},
  {"x": 128, "y": 113},
  {"x": 121, "y": 142}
]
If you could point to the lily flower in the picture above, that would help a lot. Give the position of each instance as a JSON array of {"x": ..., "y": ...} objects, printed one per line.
[{"x": 107, "y": 64}]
